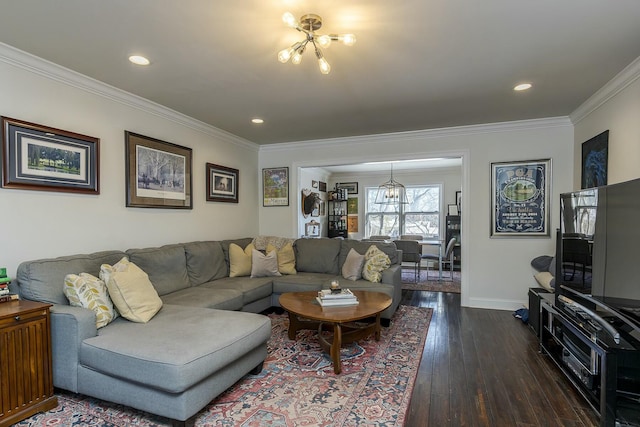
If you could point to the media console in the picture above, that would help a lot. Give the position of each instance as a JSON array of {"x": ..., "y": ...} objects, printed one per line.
[{"x": 595, "y": 353}]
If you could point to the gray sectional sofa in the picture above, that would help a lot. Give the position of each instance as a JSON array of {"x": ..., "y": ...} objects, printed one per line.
[{"x": 207, "y": 335}]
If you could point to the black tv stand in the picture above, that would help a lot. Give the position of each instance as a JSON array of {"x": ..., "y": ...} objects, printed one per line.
[{"x": 602, "y": 364}]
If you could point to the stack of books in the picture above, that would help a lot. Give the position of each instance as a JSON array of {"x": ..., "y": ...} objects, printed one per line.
[
  {"x": 326, "y": 298},
  {"x": 5, "y": 294}
]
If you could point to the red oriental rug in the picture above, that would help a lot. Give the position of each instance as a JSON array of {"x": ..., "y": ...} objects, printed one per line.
[
  {"x": 297, "y": 386},
  {"x": 433, "y": 285}
]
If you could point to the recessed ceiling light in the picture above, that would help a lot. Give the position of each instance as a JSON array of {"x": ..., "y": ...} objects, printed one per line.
[
  {"x": 139, "y": 60},
  {"x": 257, "y": 120},
  {"x": 523, "y": 86}
]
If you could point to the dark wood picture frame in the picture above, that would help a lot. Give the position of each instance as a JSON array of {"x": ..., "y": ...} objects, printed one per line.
[
  {"x": 275, "y": 187},
  {"x": 222, "y": 184},
  {"x": 158, "y": 173},
  {"x": 42, "y": 158}
]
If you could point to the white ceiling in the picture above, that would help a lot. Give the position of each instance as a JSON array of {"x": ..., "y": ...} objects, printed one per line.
[{"x": 417, "y": 64}]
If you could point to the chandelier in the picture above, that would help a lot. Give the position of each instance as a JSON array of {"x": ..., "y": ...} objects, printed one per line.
[
  {"x": 391, "y": 192},
  {"x": 309, "y": 24}
]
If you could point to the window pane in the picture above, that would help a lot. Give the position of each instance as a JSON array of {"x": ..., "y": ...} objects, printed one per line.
[
  {"x": 423, "y": 199},
  {"x": 422, "y": 223}
]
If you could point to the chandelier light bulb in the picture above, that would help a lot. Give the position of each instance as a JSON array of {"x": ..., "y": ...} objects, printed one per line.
[
  {"x": 296, "y": 58},
  {"x": 289, "y": 19},
  {"x": 325, "y": 68},
  {"x": 324, "y": 41},
  {"x": 347, "y": 39},
  {"x": 285, "y": 54}
]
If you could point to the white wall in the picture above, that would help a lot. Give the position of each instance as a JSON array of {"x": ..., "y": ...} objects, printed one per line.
[
  {"x": 37, "y": 224},
  {"x": 306, "y": 178},
  {"x": 496, "y": 272},
  {"x": 616, "y": 107}
]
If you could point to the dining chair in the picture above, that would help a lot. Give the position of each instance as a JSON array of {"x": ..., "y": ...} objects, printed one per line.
[
  {"x": 447, "y": 258},
  {"x": 379, "y": 237},
  {"x": 410, "y": 254}
]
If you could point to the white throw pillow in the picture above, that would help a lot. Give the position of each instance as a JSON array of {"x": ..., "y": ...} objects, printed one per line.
[
  {"x": 352, "y": 267},
  {"x": 87, "y": 291},
  {"x": 264, "y": 265}
]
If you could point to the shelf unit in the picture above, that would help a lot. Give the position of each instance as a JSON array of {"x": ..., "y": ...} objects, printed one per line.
[
  {"x": 453, "y": 229},
  {"x": 602, "y": 370},
  {"x": 337, "y": 215}
]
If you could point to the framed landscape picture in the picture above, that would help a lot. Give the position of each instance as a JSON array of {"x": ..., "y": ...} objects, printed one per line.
[
  {"x": 520, "y": 194},
  {"x": 275, "y": 186},
  {"x": 158, "y": 173},
  {"x": 351, "y": 187},
  {"x": 36, "y": 157},
  {"x": 222, "y": 184}
]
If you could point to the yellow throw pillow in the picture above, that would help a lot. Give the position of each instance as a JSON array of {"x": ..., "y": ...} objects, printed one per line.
[
  {"x": 375, "y": 263},
  {"x": 286, "y": 258},
  {"x": 87, "y": 291},
  {"x": 240, "y": 260},
  {"x": 131, "y": 291}
]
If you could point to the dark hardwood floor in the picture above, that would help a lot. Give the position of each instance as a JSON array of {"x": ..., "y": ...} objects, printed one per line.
[{"x": 483, "y": 368}]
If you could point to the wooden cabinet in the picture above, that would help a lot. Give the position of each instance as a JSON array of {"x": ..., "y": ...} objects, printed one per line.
[{"x": 26, "y": 382}]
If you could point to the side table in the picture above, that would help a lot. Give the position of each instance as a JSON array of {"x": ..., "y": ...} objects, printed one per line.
[{"x": 26, "y": 376}]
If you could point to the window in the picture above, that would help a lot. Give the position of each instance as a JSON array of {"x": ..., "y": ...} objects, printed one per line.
[{"x": 420, "y": 216}]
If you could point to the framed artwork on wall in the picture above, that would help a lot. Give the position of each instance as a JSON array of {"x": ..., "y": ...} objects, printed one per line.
[
  {"x": 459, "y": 201},
  {"x": 275, "y": 187},
  {"x": 158, "y": 173},
  {"x": 520, "y": 194},
  {"x": 595, "y": 156},
  {"x": 351, "y": 187},
  {"x": 36, "y": 157},
  {"x": 222, "y": 184}
]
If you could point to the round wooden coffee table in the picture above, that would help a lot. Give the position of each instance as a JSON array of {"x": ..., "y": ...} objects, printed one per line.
[{"x": 306, "y": 313}]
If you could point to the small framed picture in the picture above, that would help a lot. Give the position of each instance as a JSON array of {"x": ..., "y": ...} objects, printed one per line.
[
  {"x": 36, "y": 157},
  {"x": 158, "y": 173},
  {"x": 222, "y": 184},
  {"x": 312, "y": 229},
  {"x": 452, "y": 210}
]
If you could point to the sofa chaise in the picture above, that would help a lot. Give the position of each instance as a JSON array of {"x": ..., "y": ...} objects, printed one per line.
[{"x": 208, "y": 333}]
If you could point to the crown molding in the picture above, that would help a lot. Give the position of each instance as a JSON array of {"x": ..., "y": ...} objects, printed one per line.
[
  {"x": 620, "y": 82},
  {"x": 421, "y": 135},
  {"x": 55, "y": 72}
]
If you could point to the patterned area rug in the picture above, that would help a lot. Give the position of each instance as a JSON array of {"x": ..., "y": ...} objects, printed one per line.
[
  {"x": 297, "y": 386},
  {"x": 446, "y": 285}
]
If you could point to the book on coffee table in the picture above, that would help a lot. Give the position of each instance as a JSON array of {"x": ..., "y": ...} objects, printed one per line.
[
  {"x": 326, "y": 294},
  {"x": 337, "y": 302}
]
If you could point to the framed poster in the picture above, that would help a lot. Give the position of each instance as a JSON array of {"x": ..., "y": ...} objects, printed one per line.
[
  {"x": 222, "y": 184},
  {"x": 520, "y": 194},
  {"x": 36, "y": 157},
  {"x": 158, "y": 173},
  {"x": 275, "y": 186},
  {"x": 595, "y": 154},
  {"x": 352, "y": 205}
]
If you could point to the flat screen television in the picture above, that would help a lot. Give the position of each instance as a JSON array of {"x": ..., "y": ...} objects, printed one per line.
[{"x": 598, "y": 248}]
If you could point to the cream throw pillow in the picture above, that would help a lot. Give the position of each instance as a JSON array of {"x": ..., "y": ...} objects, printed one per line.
[
  {"x": 286, "y": 258},
  {"x": 375, "y": 263},
  {"x": 87, "y": 291},
  {"x": 131, "y": 291},
  {"x": 352, "y": 267},
  {"x": 264, "y": 265},
  {"x": 240, "y": 260}
]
